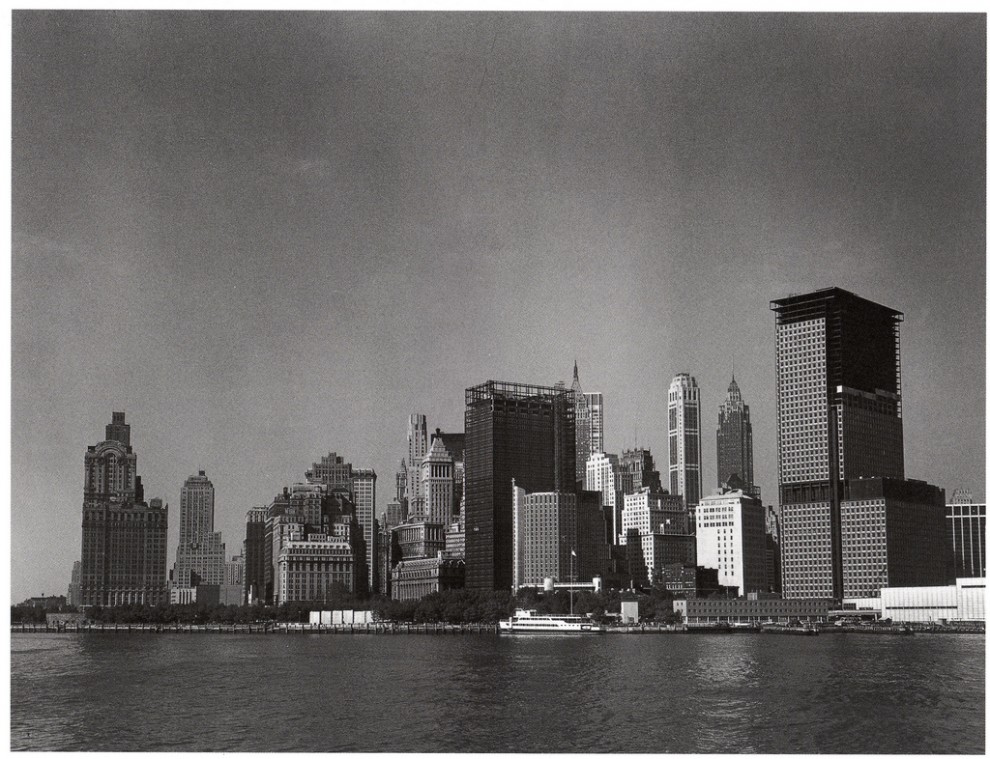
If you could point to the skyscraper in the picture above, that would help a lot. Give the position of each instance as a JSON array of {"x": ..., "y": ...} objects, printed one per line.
[
  {"x": 254, "y": 555},
  {"x": 735, "y": 440},
  {"x": 512, "y": 431},
  {"x": 642, "y": 470},
  {"x": 544, "y": 537},
  {"x": 588, "y": 425},
  {"x": 123, "y": 538},
  {"x": 416, "y": 439},
  {"x": 839, "y": 426},
  {"x": 437, "y": 484},
  {"x": 606, "y": 475},
  {"x": 331, "y": 471},
  {"x": 684, "y": 434},
  {"x": 731, "y": 535},
  {"x": 364, "y": 483},
  {"x": 454, "y": 443},
  {"x": 596, "y": 415},
  {"x": 196, "y": 506},
  {"x": 200, "y": 554},
  {"x": 582, "y": 428},
  {"x": 967, "y": 528}
]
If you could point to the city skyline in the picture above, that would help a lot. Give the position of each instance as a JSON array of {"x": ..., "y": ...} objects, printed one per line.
[{"x": 266, "y": 240}]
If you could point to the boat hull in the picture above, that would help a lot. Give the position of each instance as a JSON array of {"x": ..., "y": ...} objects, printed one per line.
[{"x": 551, "y": 631}]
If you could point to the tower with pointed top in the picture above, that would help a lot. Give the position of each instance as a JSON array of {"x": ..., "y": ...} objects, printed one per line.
[
  {"x": 588, "y": 427},
  {"x": 437, "y": 484},
  {"x": 735, "y": 439},
  {"x": 416, "y": 438},
  {"x": 582, "y": 428}
]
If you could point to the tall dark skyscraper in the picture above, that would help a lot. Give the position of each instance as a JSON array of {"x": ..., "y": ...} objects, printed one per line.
[
  {"x": 511, "y": 431},
  {"x": 254, "y": 555},
  {"x": 123, "y": 538},
  {"x": 735, "y": 439},
  {"x": 838, "y": 425}
]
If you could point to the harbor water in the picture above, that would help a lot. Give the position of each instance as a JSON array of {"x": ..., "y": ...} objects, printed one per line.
[{"x": 484, "y": 693}]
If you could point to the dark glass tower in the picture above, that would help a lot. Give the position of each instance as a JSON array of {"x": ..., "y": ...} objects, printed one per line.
[
  {"x": 511, "y": 432},
  {"x": 735, "y": 439},
  {"x": 838, "y": 419}
]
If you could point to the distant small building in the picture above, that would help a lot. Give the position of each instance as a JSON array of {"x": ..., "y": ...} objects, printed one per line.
[
  {"x": 341, "y": 617},
  {"x": 630, "y": 612},
  {"x": 49, "y": 603}
]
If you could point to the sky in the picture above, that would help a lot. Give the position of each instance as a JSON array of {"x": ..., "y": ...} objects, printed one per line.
[{"x": 266, "y": 237}]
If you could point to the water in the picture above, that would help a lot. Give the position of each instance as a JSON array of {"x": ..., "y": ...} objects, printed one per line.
[{"x": 648, "y": 694}]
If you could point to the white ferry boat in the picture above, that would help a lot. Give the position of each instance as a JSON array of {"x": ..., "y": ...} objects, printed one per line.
[{"x": 527, "y": 621}]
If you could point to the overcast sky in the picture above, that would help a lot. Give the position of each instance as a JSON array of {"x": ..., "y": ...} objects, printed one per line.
[{"x": 270, "y": 236}]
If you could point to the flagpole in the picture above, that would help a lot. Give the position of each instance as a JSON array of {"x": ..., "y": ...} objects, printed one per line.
[{"x": 572, "y": 578}]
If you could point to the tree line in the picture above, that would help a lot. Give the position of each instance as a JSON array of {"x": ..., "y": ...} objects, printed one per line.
[{"x": 450, "y": 606}]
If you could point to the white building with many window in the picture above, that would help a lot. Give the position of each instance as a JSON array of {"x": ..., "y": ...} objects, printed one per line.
[{"x": 730, "y": 535}]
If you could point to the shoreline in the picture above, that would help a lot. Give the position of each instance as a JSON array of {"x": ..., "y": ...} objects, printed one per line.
[{"x": 283, "y": 628}]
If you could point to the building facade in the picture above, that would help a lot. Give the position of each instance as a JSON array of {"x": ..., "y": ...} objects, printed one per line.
[
  {"x": 592, "y": 536},
  {"x": 646, "y": 511},
  {"x": 893, "y": 535},
  {"x": 364, "y": 484},
  {"x": 735, "y": 440},
  {"x": 544, "y": 527},
  {"x": 604, "y": 473},
  {"x": 690, "y": 581},
  {"x": 965, "y": 601},
  {"x": 200, "y": 554},
  {"x": 642, "y": 471},
  {"x": 437, "y": 483},
  {"x": 647, "y": 553},
  {"x": 254, "y": 554},
  {"x": 582, "y": 428},
  {"x": 416, "y": 578},
  {"x": 453, "y": 546},
  {"x": 967, "y": 528},
  {"x": 74, "y": 595},
  {"x": 713, "y": 610},
  {"x": 454, "y": 443},
  {"x": 312, "y": 568},
  {"x": 512, "y": 432},
  {"x": 417, "y": 448},
  {"x": 417, "y": 540},
  {"x": 684, "y": 439},
  {"x": 838, "y": 419},
  {"x": 731, "y": 533},
  {"x": 123, "y": 537}
]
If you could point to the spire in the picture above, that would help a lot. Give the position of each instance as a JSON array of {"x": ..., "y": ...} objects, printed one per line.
[{"x": 575, "y": 370}]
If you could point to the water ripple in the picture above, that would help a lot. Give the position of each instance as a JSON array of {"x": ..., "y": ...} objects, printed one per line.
[{"x": 644, "y": 694}]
